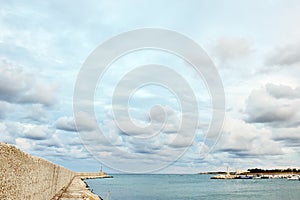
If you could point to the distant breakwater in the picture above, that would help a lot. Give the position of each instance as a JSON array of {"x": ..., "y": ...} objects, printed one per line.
[{"x": 23, "y": 176}]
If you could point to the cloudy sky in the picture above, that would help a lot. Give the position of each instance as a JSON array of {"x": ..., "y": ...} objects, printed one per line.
[{"x": 254, "y": 45}]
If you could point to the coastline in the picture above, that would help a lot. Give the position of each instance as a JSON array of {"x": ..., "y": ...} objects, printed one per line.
[{"x": 259, "y": 175}]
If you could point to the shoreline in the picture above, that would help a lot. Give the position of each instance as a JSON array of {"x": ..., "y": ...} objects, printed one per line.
[{"x": 251, "y": 173}]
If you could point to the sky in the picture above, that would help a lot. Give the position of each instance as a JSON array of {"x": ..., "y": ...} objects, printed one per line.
[{"x": 253, "y": 45}]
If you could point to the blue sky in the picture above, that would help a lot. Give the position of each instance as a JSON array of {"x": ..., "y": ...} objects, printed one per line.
[{"x": 254, "y": 45}]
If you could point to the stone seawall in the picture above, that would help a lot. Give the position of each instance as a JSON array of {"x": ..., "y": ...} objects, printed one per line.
[{"x": 23, "y": 176}]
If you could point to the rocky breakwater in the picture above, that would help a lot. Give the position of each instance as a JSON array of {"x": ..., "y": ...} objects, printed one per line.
[{"x": 23, "y": 176}]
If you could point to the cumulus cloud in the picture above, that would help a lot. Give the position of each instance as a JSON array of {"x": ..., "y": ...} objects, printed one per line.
[
  {"x": 40, "y": 94},
  {"x": 284, "y": 55},
  {"x": 57, "y": 149},
  {"x": 165, "y": 129},
  {"x": 276, "y": 104},
  {"x": 85, "y": 122},
  {"x": 140, "y": 146},
  {"x": 19, "y": 86},
  {"x": 227, "y": 48},
  {"x": 25, "y": 130},
  {"x": 36, "y": 132},
  {"x": 53, "y": 141},
  {"x": 45, "y": 50},
  {"x": 160, "y": 119},
  {"x": 43, "y": 141},
  {"x": 66, "y": 124},
  {"x": 245, "y": 140},
  {"x": 283, "y": 91}
]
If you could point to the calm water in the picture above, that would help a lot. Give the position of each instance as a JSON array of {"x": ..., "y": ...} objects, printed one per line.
[{"x": 175, "y": 187}]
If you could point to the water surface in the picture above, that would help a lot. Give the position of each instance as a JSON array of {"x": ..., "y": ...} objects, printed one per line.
[{"x": 179, "y": 187}]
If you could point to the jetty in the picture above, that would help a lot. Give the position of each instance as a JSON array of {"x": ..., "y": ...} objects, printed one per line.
[
  {"x": 27, "y": 177},
  {"x": 78, "y": 189}
]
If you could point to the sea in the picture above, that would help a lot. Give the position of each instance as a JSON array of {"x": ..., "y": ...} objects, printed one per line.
[{"x": 180, "y": 187}]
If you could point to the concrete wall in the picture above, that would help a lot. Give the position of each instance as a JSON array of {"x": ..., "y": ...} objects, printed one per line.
[{"x": 26, "y": 177}]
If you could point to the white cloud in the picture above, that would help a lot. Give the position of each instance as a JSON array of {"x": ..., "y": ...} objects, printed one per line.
[
  {"x": 85, "y": 122},
  {"x": 36, "y": 132},
  {"x": 35, "y": 58},
  {"x": 283, "y": 91},
  {"x": 66, "y": 124},
  {"x": 245, "y": 140},
  {"x": 276, "y": 104},
  {"x": 285, "y": 55},
  {"x": 26, "y": 130},
  {"x": 19, "y": 86}
]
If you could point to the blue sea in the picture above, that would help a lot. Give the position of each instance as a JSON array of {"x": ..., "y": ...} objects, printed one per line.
[{"x": 180, "y": 187}]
